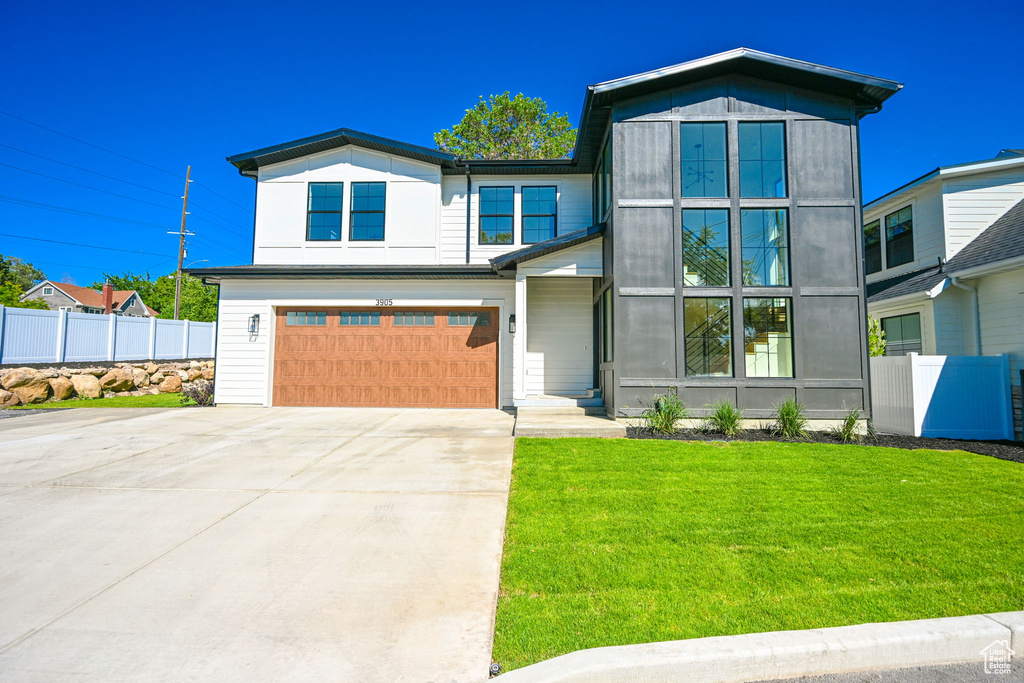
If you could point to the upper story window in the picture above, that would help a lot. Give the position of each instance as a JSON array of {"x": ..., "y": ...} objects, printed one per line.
[
  {"x": 702, "y": 154},
  {"x": 323, "y": 217},
  {"x": 47, "y": 291},
  {"x": 603, "y": 184},
  {"x": 540, "y": 213},
  {"x": 902, "y": 334},
  {"x": 706, "y": 247},
  {"x": 765, "y": 235},
  {"x": 873, "y": 247},
  {"x": 762, "y": 159},
  {"x": 497, "y": 213},
  {"x": 899, "y": 237},
  {"x": 366, "y": 216}
]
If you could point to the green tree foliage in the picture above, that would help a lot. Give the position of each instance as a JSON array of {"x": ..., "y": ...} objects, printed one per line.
[
  {"x": 198, "y": 301},
  {"x": 16, "y": 277},
  {"x": 876, "y": 338},
  {"x": 504, "y": 127}
]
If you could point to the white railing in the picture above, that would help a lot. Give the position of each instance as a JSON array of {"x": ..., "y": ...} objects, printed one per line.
[
  {"x": 953, "y": 397},
  {"x": 31, "y": 336}
]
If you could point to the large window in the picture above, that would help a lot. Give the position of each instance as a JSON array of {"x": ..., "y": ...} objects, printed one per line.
[
  {"x": 873, "y": 247},
  {"x": 497, "y": 213},
  {"x": 323, "y": 211},
  {"x": 902, "y": 334},
  {"x": 706, "y": 247},
  {"x": 607, "y": 337},
  {"x": 768, "y": 337},
  {"x": 899, "y": 237},
  {"x": 765, "y": 236},
  {"x": 366, "y": 219},
  {"x": 702, "y": 154},
  {"x": 762, "y": 159},
  {"x": 540, "y": 214},
  {"x": 707, "y": 324}
]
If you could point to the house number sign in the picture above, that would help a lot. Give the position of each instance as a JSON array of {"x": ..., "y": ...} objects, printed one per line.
[{"x": 385, "y": 302}]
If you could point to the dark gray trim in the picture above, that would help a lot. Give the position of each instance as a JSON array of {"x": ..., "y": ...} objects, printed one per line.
[
  {"x": 383, "y": 272},
  {"x": 569, "y": 239}
]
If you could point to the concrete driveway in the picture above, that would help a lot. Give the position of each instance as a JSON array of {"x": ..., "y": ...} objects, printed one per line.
[{"x": 251, "y": 543}]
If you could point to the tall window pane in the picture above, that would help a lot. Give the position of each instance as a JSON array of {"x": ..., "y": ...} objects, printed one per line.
[
  {"x": 702, "y": 151},
  {"x": 706, "y": 247},
  {"x": 607, "y": 338},
  {"x": 366, "y": 217},
  {"x": 872, "y": 247},
  {"x": 323, "y": 211},
  {"x": 902, "y": 334},
  {"x": 707, "y": 326},
  {"x": 762, "y": 159},
  {"x": 768, "y": 337},
  {"x": 899, "y": 237},
  {"x": 540, "y": 212},
  {"x": 765, "y": 235},
  {"x": 497, "y": 212}
]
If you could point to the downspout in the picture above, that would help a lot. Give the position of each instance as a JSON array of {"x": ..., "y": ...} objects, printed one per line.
[
  {"x": 469, "y": 198},
  {"x": 974, "y": 306}
]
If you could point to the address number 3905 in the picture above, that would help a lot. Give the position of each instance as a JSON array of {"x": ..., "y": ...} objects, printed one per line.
[{"x": 385, "y": 302}]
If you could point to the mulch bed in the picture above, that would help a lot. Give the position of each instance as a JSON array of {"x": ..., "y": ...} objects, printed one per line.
[{"x": 1004, "y": 450}]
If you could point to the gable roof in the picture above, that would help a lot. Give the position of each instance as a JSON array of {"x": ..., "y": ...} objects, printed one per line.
[
  {"x": 1007, "y": 158},
  {"x": 867, "y": 92},
  {"x": 93, "y": 298},
  {"x": 1001, "y": 241}
]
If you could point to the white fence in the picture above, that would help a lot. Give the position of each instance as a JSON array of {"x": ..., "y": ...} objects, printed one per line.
[
  {"x": 952, "y": 397},
  {"x": 31, "y": 336}
]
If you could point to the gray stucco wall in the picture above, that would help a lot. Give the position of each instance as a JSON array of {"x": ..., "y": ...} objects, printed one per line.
[{"x": 644, "y": 251}]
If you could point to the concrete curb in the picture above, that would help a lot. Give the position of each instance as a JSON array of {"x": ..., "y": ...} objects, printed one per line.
[{"x": 785, "y": 654}]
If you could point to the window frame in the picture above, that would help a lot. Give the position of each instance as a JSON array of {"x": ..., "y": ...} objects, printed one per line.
[
  {"x": 398, "y": 319},
  {"x": 353, "y": 212},
  {"x": 523, "y": 215},
  {"x": 309, "y": 212},
  {"x": 47, "y": 293},
  {"x": 724, "y": 161},
  {"x": 705, "y": 248},
  {"x": 481, "y": 215},
  {"x": 902, "y": 344},
  {"x": 607, "y": 327},
  {"x": 345, "y": 318},
  {"x": 881, "y": 251},
  {"x": 885, "y": 227},
  {"x": 483, "y": 318},
  {"x": 761, "y": 160},
  {"x": 789, "y": 335},
  {"x": 787, "y": 261},
  {"x": 291, "y": 319},
  {"x": 728, "y": 299}
]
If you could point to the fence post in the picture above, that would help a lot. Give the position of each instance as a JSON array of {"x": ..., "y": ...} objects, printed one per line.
[
  {"x": 152, "y": 339},
  {"x": 3, "y": 319},
  {"x": 184, "y": 349},
  {"x": 213, "y": 339},
  {"x": 62, "y": 336},
  {"x": 111, "y": 336}
]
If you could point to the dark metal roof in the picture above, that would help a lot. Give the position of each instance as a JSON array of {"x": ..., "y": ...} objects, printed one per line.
[
  {"x": 249, "y": 161},
  {"x": 515, "y": 167},
  {"x": 1001, "y": 241},
  {"x": 569, "y": 239},
  {"x": 383, "y": 272}
]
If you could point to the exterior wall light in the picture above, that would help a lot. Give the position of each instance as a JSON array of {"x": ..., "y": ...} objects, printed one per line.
[
  {"x": 512, "y": 324},
  {"x": 254, "y": 324}
]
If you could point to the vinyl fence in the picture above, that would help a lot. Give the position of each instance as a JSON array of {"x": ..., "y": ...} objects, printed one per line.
[
  {"x": 30, "y": 336},
  {"x": 953, "y": 397}
]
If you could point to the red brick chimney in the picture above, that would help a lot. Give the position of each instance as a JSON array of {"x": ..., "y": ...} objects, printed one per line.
[{"x": 108, "y": 298}]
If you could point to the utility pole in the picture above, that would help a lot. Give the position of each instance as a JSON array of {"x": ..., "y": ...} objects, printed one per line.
[{"x": 181, "y": 244}]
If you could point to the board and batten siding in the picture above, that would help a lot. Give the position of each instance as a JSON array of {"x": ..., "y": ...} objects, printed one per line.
[
  {"x": 244, "y": 362},
  {"x": 560, "y": 335},
  {"x": 574, "y": 212},
  {"x": 971, "y": 203}
]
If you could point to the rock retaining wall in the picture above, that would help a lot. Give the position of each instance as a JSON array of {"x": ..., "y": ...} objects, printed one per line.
[{"x": 25, "y": 385}]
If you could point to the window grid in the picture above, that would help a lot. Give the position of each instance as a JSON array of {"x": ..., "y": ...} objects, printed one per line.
[
  {"x": 899, "y": 237},
  {"x": 414, "y": 318},
  {"x": 47, "y": 291},
  {"x": 366, "y": 216},
  {"x": 497, "y": 214},
  {"x": 359, "y": 318},
  {"x": 765, "y": 238},
  {"x": 768, "y": 337},
  {"x": 468, "y": 318},
  {"x": 762, "y": 154},
  {"x": 703, "y": 165},
  {"x": 323, "y": 211},
  {"x": 540, "y": 213},
  {"x": 706, "y": 248},
  {"x": 707, "y": 327},
  {"x": 306, "y": 318}
]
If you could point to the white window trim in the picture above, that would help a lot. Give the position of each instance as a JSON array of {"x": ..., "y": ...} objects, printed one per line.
[
  {"x": 47, "y": 293},
  {"x": 880, "y": 217},
  {"x": 517, "y": 211}
]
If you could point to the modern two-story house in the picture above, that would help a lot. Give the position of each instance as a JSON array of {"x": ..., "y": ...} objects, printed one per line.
[{"x": 702, "y": 239}]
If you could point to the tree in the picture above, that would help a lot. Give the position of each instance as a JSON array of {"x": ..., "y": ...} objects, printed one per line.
[
  {"x": 876, "y": 338},
  {"x": 503, "y": 127},
  {"x": 16, "y": 277},
  {"x": 198, "y": 301}
]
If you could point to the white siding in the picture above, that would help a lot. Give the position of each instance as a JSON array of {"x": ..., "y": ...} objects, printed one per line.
[
  {"x": 924, "y": 307},
  {"x": 560, "y": 335},
  {"x": 954, "y": 333},
  {"x": 929, "y": 242},
  {"x": 244, "y": 364},
  {"x": 574, "y": 212},
  {"x": 971, "y": 203},
  {"x": 1001, "y": 311}
]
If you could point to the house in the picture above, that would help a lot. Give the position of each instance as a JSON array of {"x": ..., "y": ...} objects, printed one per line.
[
  {"x": 60, "y": 296},
  {"x": 703, "y": 238},
  {"x": 945, "y": 261}
]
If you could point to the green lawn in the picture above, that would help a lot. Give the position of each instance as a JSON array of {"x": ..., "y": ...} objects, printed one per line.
[
  {"x": 150, "y": 401},
  {"x": 611, "y": 542}
]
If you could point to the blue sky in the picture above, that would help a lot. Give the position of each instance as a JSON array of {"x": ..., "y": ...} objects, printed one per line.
[{"x": 191, "y": 83}]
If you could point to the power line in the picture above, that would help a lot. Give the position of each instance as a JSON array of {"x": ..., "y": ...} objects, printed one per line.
[
  {"x": 88, "y": 187},
  {"x": 85, "y": 246},
  {"x": 64, "y": 209},
  {"x": 220, "y": 244},
  {"x": 224, "y": 198},
  {"x": 223, "y": 218},
  {"x": 108, "y": 151},
  {"x": 102, "y": 270}
]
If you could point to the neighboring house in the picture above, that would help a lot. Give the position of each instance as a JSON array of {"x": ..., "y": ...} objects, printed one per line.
[
  {"x": 60, "y": 296},
  {"x": 945, "y": 261},
  {"x": 702, "y": 239}
]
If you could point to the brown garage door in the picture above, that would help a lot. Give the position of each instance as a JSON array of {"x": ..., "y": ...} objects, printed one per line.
[{"x": 416, "y": 357}]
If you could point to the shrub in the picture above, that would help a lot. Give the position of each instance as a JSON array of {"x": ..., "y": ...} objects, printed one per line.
[
  {"x": 789, "y": 420},
  {"x": 846, "y": 431},
  {"x": 664, "y": 414},
  {"x": 200, "y": 391},
  {"x": 723, "y": 419}
]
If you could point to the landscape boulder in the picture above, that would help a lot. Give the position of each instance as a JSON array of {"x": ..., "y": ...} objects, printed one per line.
[
  {"x": 194, "y": 374},
  {"x": 151, "y": 368},
  {"x": 183, "y": 374},
  {"x": 118, "y": 379},
  {"x": 157, "y": 377},
  {"x": 208, "y": 373},
  {"x": 171, "y": 385},
  {"x": 30, "y": 385},
  {"x": 86, "y": 386},
  {"x": 95, "y": 372},
  {"x": 62, "y": 388},
  {"x": 140, "y": 377},
  {"x": 8, "y": 399}
]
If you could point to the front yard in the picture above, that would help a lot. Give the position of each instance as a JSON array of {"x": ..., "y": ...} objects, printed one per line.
[{"x": 612, "y": 542}]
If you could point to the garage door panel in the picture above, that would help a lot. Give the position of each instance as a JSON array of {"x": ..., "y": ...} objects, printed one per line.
[
  {"x": 464, "y": 397},
  {"x": 412, "y": 343},
  {"x": 346, "y": 341},
  {"x": 413, "y": 369}
]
